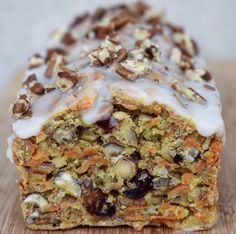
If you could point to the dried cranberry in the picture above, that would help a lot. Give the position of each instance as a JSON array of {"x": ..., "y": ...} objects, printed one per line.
[
  {"x": 141, "y": 183},
  {"x": 97, "y": 204},
  {"x": 107, "y": 125},
  {"x": 135, "y": 156},
  {"x": 177, "y": 159}
]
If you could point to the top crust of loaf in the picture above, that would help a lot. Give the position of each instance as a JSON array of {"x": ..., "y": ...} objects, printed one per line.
[{"x": 127, "y": 52}]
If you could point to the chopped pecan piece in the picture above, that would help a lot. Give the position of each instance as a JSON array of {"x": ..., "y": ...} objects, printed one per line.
[
  {"x": 209, "y": 87},
  {"x": 131, "y": 69},
  {"x": 99, "y": 14},
  {"x": 53, "y": 65},
  {"x": 153, "y": 52},
  {"x": 54, "y": 50},
  {"x": 175, "y": 28},
  {"x": 186, "y": 44},
  {"x": 37, "y": 89},
  {"x": 78, "y": 20},
  {"x": 182, "y": 60},
  {"x": 69, "y": 39},
  {"x": 108, "y": 51},
  {"x": 36, "y": 61},
  {"x": 188, "y": 92},
  {"x": 121, "y": 55},
  {"x": 120, "y": 21},
  {"x": 198, "y": 75},
  {"x": 104, "y": 28},
  {"x": 67, "y": 79},
  {"x": 207, "y": 76},
  {"x": 30, "y": 81},
  {"x": 141, "y": 34},
  {"x": 21, "y": 106},
  {"x": 153, "y": 16}
]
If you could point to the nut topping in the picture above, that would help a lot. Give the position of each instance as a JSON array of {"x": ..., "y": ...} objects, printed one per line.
[
  {"x": 198, "y": 75},
  {"x": 37, "y": 89},
  {"x": 154, "y": 16},
  {"x": 131, "y": 69},
  {"x": 69, "y": 39},
  {"x": 188, "y": 92},
  {"x": 153, "y": 53},
  {"x": 186, "y": 44},
  {"x": 35, "y": 61},
  {"x": 182, "y": 60},
  {"x": 78, "y": 20},
  {"x": 30, "y": 81},
  {"x": 53, "y": 65},
  {"x": 21, "y": 106},
  {"x": 108, "y": 51},
  {"x": 141, "y": 34},
  {"x": 67, "y": 79}
]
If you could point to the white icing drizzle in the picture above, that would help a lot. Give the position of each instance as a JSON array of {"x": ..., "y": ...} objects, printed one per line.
[{"x": 207, "y": 118}]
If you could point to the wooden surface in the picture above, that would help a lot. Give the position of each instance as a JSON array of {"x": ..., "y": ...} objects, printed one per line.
[{"x": 11, "y": 221}]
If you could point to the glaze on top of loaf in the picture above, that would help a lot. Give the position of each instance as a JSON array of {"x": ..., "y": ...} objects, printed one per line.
[{"x": 132, "y": 50}]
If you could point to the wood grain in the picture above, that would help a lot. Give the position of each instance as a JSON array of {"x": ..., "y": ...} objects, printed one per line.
[{"x": 11, "y": 221}]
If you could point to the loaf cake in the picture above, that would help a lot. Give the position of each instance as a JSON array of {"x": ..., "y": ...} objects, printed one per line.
[{"x": 118, "y": 122}]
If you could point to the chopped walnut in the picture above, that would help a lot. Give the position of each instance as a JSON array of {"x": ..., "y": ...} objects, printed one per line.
[
  {"x": 21, "y": 106},
  {"x": 188, "y": 92}
]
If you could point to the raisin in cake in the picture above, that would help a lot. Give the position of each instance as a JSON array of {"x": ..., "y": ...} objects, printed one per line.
[{"x": 118, "y": 122}]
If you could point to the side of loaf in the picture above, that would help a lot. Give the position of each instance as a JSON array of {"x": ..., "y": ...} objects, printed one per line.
[{"x": 117, "y": 123}]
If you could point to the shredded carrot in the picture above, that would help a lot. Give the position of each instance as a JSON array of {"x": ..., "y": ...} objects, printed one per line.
[
  {"x": 135, "y": 208},
  {"x": 170, "y": 212},
  {"x": 216, "y": 147},
  {"x": 152, "y": 150},
  {"x": 200, "y": 165},
  {"x": 162, "y": 162},
  {"x": 53, "y": 208},
  {"x": 187, "y": 177},
  {"x": 162, "y": 217},
  {"x": 178, "y": 190},
  {"x": 91, "y": 162},
  {"x": 191, "y": 142},
  {"x": 37, "y": 159},
  {"x": 154, "y": 121},
  {"x": 71, "y": 153},
  {"x": 88, "y": 152}
]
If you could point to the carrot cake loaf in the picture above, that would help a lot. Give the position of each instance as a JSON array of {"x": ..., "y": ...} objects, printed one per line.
[{"x": 118, "y": 122}]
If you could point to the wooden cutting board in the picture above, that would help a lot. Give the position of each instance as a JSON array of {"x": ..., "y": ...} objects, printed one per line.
[{"x": 11, "y": 221}]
